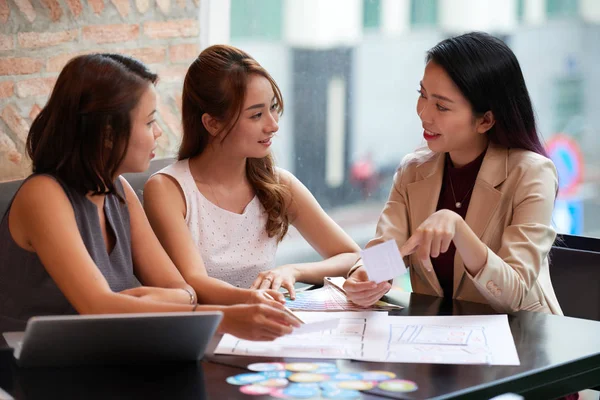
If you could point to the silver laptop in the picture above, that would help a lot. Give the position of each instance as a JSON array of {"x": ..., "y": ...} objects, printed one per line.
[{"x": 113, "y": 338}]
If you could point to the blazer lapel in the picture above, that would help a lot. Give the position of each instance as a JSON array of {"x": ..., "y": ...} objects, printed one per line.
[
  {"x": 484, "y": 200},
  {"x": 423, "y": 195}
]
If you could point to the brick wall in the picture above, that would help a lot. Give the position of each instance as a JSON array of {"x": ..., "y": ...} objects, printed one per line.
[{"x": 38, "y": 37}]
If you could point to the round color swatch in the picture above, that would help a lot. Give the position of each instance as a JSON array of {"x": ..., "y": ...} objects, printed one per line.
[
  {"x": 255, "y": 390},
  {"x": 299, "y": 392},
  {"x": 377, "y": 375},
  {"x": 278, "y": 393},
  {"x": 275, "y": 374},
  {"x": 346, "y": 377},
  {"x": 314, "y": 385},
  {"x": 275, "y": 382},
  {"x": 301, "y": 367},
  {"x": 330, "y": 369},
  {"x": 245, "y": 379},
  {"x": 356, "y": 385},
  {"x": 398, "y": 385},
  {"x": 326, "y": 365},
  {"x": 329, "y": 385},
  {"x": 259, "y": 367},
  {"x": 308, "y": 377}
]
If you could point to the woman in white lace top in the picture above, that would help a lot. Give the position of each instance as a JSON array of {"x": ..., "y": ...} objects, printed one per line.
[{"x": 221, "y": 210}]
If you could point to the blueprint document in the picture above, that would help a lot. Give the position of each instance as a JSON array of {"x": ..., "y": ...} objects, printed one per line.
[{"x": 375, "y": 336}]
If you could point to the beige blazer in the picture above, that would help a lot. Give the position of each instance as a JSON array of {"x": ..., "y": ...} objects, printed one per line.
[{"x": 510, "y": 211}]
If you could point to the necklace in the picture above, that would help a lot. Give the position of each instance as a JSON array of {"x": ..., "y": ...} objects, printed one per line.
[
  {"x": 212, "y": 191},
  {"x": 458, "y": 204},
  {"x": 197, "y": 181}
]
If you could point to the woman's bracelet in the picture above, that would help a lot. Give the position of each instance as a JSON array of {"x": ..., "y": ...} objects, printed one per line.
[{"x": 353, "y": 269}]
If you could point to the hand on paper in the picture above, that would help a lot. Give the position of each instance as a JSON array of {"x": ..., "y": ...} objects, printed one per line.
[
  {"x": 432, "y": 237},
  {"x": 168, "y": 295},
  {"x": 257, "y": 321},
  {"x": 360, "y": 290},
  {"x": 284, "y": 276}
]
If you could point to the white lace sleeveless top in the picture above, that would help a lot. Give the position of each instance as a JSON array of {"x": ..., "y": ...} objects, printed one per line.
[{"x": 234, "y": 247}]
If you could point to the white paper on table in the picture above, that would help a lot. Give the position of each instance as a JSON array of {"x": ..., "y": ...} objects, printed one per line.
[
  {"x": 316, "y": 326},
  {"x": 376, "y": 336},
  {"x": 383, "y": 261},
  {"x": 5, "y": 396},
  {"x": 452, "y": 339}
]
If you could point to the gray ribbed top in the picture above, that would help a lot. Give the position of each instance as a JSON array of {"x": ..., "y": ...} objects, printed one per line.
[{"x": 26, "y": 289}]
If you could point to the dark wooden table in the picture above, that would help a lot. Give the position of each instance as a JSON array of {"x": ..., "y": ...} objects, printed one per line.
[{"x": 559, "y": 355}]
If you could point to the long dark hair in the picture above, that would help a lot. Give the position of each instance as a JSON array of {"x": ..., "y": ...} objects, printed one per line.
[
  {"x": 82, "y": 133},
  {"x": 488, "y": 74},
  {"x": 216, "y": 84}
]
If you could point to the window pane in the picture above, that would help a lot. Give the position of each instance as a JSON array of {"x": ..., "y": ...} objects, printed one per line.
[
  {"x": 423, "y": 12},
  {"x": 561, "y": 8},
  {"x": 371, "y": 13},
  {"x": 260, "y": 19},
  {"x": 350, "y": 97},
  {"x": 520, "y": 9}
]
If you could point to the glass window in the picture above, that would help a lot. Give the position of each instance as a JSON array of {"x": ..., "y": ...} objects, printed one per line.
[
  {"x": 371, "y": 14},
  {"x": 568, "y": 104},
  {"x": 562, "y": 8},
  {"x": 257, "y": 19},
  {"x": 520, "y": 10},
  {"x": 349, "y": 85},
  {"x": 423, "y": 13}
]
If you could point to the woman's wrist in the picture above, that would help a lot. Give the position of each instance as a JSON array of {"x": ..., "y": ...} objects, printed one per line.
[
  {"x": 459, "y": 229},
  {"x": 296, "y": 272},
  {"x": 352, "y": 270},
  {"x": 236, "y": 295},
  {"x": 471, "y": 249}
]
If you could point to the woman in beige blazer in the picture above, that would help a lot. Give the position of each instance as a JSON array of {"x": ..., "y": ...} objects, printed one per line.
[{"x": 484, "y": 189}]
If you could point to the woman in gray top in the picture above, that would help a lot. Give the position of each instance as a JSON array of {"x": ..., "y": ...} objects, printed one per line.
[{"x": 75, "y": 234}]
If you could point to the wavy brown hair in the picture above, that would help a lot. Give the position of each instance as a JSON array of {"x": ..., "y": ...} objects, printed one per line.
[
  {"x": 82, "y": 133},
  {"x": 216, "y": 84}
]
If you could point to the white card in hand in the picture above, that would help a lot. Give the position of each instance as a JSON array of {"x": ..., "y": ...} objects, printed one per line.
[{"x": 383, "y": 261}]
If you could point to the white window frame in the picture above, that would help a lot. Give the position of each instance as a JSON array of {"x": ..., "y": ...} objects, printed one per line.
[{"x": 215, "y": 20}]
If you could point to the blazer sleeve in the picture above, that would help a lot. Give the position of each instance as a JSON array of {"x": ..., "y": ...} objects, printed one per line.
[
  {"x": 509, "y": 274},
  {"x": 393, "y": 221}
]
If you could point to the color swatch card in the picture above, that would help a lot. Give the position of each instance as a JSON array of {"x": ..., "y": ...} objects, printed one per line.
[
  {"x": 331, "y": 297},
  {"x": 383, "y": 261}
]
